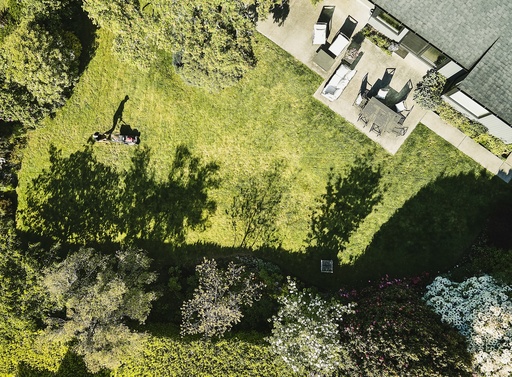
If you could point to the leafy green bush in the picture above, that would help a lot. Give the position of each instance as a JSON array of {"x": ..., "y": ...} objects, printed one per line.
[
  {"x": 243, "y": 355},
  {"x": 377, "y": 38},
  {"x": 474, "y": 130},
  {"x": 428, "y": 91}
]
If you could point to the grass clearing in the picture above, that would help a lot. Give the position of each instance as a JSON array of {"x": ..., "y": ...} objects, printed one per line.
[{"x": 270, "y": 115}]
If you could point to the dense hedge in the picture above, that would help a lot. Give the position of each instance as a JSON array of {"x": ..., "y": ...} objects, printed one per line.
[{"x": 163, "y": 356}]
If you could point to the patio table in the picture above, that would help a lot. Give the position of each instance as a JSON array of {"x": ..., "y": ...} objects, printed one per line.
[
  {"x": 323, "y": 60},
  {"x": 386, "y": 118}
]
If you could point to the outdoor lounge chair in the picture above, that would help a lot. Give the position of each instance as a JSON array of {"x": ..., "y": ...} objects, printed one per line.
[
  {"x": 338, "y": 82},
  {"x": 320, "y": 33},
  {"x": 338, "y": 44},
  {"x": 323, "y": 25}
]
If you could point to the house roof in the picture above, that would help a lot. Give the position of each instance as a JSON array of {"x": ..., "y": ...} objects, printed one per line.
[
  {"x": 462, "y": 29},
  {"x": 490, "y": 82},
  {"x": 476, "y": 34}
]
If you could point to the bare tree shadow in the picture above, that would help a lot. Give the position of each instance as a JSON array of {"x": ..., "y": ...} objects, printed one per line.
[
  {"x": 163, "y": 211},
  {"x": 347, "y": 201},
  {"x": 74, "y": 200},
  {"x": 280, "y": 12},
  {"x": 80, "y": 200}
]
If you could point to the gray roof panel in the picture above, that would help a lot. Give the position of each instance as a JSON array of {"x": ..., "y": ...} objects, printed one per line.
[
  {"x": 463, "y": 29},
  {"x": 477, "y": 34}
]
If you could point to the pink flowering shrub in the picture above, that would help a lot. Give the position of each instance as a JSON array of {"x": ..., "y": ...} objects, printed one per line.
[
  {"x": 393, "y": 333},
  {"x": 481, "y": 310}
]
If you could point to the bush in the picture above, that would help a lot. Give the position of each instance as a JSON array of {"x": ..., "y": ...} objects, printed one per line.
[
  {"x": 474, "y": 130},
  {"x": 428, "y": 91},
  {"x": 393, "y": 333},
  {"x": 377, "y": 38},
  {"x": 481, "y": 310}
]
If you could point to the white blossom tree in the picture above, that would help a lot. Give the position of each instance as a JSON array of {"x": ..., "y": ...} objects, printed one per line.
[
  {"x": 306, "y": 334},
  {"x": 481, "y": 310},
  {"x": 218, "y": 300}
]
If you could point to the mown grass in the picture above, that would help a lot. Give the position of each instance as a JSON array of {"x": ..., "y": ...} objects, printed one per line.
[{"x": 269, "y": 115}]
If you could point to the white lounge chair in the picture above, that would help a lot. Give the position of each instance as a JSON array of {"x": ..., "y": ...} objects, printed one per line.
[
  {"x": 339, "y": 44},
  {"x": 320, "y": 33}
]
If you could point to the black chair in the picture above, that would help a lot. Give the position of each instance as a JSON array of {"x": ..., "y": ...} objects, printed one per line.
[
  {"x": 400, "y": 131},
  {"x": 376, "y": 128},
  {"x": 362, "y": 117},
  {"x": 361, "y": 99}
]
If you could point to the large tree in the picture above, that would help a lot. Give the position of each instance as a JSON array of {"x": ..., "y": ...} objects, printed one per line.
[
  {"x": 92, "y": 294},
  {"x": 135, "y": 32},
  {"x": 218, "y": 300},
  {"x": 211, "y": 40},
  {"x": 38, "y": 68}
]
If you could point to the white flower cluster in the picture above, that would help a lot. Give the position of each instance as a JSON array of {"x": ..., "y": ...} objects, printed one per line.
[
  {"x": 481, "y": 310},
  {"x": 305, "y": 332}
]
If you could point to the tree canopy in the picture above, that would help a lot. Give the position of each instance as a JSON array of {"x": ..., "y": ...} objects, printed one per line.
[
  {"x": 218, "y": 300},
  {"x": 211, "y": 40},
  {"x": 305, "y": 332},
  {"x": 92, "y": 294},
  {"x": 38, "y": 66}
]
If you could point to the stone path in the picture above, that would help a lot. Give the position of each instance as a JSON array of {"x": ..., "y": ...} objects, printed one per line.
[{"x": 468, "y": 146}]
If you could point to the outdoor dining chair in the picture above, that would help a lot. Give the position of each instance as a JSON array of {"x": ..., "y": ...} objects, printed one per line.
[
  {"x": 361, "y": 100},
  {"x": 362, "y": 117},
  {"x": 400, "y": 131},
  {"x": 376, "y": 128},
  {"x": 401, "y": 107}
]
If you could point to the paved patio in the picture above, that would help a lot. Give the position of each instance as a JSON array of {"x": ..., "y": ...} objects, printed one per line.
[{"x": 295, "y": 34}]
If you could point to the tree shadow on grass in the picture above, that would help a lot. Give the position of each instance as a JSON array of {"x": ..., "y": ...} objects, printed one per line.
[
  {"x": 348, "y": 200},
  {"x": 80, "y": 200},
  {"x": 431, "y": 232},
  {"x": 74, "y": 200}
]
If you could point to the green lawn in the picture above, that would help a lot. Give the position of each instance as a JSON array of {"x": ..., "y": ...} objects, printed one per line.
[{"x": 431, "y": 189}]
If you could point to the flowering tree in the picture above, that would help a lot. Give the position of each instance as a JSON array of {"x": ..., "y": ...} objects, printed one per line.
[
  {"x": 306, "y": 333},
  {"x": 481, "y": 310},
  {"x": 218, "y": 300}
]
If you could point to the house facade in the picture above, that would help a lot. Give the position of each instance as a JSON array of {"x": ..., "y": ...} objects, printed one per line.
[{"x": 467, "y": 41}]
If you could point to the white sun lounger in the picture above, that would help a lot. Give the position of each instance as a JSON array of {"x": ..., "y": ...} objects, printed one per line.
[
  {"x": 320, "y": 33},
  {"x": 339, "y": 44}
]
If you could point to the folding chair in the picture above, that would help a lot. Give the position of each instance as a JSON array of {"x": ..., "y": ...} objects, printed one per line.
[
  {"x": 376, "y": 128},
  {"x": 400, "y": 131},
  {"x": 363, "y": 119}
]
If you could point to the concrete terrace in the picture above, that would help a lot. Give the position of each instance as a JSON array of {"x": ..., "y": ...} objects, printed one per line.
[{"x": 294, "y": 35}]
